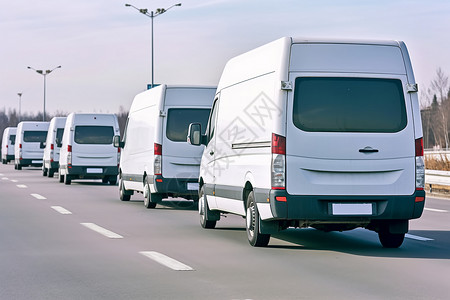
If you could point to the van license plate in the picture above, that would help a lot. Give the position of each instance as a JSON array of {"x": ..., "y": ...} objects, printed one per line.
[
  {"x": 339, "y": 209},
  {"x": 36, "y": 161},
  {"x": 192, "y": 186},
  {"x": 94, "y": 170}
]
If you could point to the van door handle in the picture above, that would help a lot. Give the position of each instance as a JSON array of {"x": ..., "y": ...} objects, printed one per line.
[
  {"x": 211, "y": 153},
  {"x": 368, "y": 150}
]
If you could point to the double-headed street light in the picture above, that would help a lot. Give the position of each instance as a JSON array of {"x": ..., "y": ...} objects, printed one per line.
[
  {"x": 152, "y": 15},
  {"x": 44, "y": 73}
]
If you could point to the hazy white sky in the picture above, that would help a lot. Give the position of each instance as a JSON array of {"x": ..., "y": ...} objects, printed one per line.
[{"x": 104, "y": 47}]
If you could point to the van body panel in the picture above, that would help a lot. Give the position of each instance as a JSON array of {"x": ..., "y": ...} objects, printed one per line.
[
  {"x": 8, "y": 142},
  {"x": 55, "y": 131},
  {"x": 151, "y": 114},
  {"x": 30, "y": 138}
]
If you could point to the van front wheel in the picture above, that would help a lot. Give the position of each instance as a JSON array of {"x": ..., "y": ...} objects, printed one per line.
[{"x": 255, "y": 238}]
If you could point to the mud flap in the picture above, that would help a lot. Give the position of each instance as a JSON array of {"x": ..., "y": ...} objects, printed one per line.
[{"x": 268, "y": 227}]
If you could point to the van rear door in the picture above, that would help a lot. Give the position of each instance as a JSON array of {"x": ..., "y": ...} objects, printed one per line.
[
  {"x": 92, "y": 146},
  {"x": 349, "y": 134},
  {"x": 180, "y": 159}
]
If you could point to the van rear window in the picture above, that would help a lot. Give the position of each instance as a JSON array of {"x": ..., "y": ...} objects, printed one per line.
[
  {"x": 336, "y": 104},
  {"x": 178, "y": 121},
  {"x": 12, "y": 138},
  {"x": 34, "y": 136},
  {"x": 93, "y": 134}
]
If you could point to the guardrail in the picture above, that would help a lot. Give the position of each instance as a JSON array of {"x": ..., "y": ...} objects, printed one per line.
[{"x": 437, "y": 177}]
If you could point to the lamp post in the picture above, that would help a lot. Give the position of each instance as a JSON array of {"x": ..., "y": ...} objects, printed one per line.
[
  {"x": 44, "y": 73},
  {"x": 152, "y": 15},
  {"x": 20, "y": 98}
]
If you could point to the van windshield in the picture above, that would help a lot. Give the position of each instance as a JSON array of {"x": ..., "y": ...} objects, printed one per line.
[
  {"x": 178, "y": 121},
  {"x": 12, "y": 138},
  {"x": 34, "y": 136},
  {"x": 93, "y": 134},
  {"x": 328, "y": 104}
]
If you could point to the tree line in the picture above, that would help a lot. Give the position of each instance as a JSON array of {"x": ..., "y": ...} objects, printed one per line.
[
  {"x": 11, "y": 118},
  {"x": 435, "y": 111}
]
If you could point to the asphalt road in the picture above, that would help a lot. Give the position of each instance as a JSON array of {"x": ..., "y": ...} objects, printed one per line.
[{"x": 82, "y": 242}]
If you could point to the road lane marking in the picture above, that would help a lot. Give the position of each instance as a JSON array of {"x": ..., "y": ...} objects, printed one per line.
[
  {"x": 102, "y": 231},
  {"x": 37, "y": 196},
  {"x": 5, "y": 178},
  {"x": 61, "y": 210},
  {"x": 21, "y": 186},
  {"x": 14, "y": 180},
  {"x": 166, "y": 261},
  {"x": 436, "y": 210},
  {"x": 418, "y": 238}
]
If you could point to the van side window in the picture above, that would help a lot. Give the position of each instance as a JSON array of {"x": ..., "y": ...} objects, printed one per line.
[
  {"x": 212, "y": 121},
  {"x": 178, "y": 120}
]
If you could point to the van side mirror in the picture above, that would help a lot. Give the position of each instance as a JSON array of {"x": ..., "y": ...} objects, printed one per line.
[
  {"x": 58, "y": 143},
  {"x": 117, "y": 142},
  {"x": 195, "y": 134}
]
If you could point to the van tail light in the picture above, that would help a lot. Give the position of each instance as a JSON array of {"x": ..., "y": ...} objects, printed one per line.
[
  {"x": 157, "y": 164},
  {"x": 20, "y": 146},
  {"x": 52, "y": 147},
  {"x": 118, "y": 156},
  {"x": 278, "y": 174},
  {"x": 420, "y": 165},
  {"x": 20, "y": 151},
  {"x": 69, "y": 155}
]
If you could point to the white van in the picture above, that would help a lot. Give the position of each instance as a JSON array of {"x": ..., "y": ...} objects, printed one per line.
[
  {"x": 8, "y": 141},
  {"x": 156, "y": 159},
  {"x": 87, "y": 151},
  {"x": 53, "y": 146},
  {"x": 30, "y": 144},
  {"x": 324, "y": 134}
]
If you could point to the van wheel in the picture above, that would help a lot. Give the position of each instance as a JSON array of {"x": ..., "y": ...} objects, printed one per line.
[
  {"x": 150, "y": 199},
  {"x": 67, "y": 180},
  {"x": 204, "y": 211},
  {"x": 391, "y": 240},
  {"x": 19, "y": 167},
  {"x": 51, "y": 173},
  {"x": 123, "y": 192},
  {"x": 60, "y": 176},
  {"x": 112, "y": 180},
  {"x": 255, "y": 238},
  {"x": 44, "y": 172}
]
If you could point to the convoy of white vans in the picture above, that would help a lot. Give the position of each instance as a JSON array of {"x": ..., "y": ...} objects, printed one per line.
[{"x": 299, "y": 133}]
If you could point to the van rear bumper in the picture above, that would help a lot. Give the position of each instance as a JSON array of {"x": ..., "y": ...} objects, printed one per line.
[
  {"x": 320, "y": 208},
  {"x": 175, "y": 186},
  {"x": 36, "y": 162},
  {"x": 91, "y": 172}
]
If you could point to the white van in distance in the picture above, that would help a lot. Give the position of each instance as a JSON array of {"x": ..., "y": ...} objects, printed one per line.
[
  {"x": 87, "y": 151},
  {"x": 29, "y": 147},
  {"x": 52, "y": 146},
  {"x": 156, "y": 159},
  {"x": 8, "y": 141},
  {"x": 315, "y": 133}
]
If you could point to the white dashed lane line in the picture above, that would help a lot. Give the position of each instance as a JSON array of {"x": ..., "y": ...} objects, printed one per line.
[
  {"x": 14, "y": 180},
  {"x": 166, "y": 261},
  {"x": 61, "y": 210},
  {"x": 102, "y": 231},
  {"x": 21, "y": 186},
  {"x": 5, "y": 178},
  {"x": 417, "y": 238},
  {"x": 37, "y": 196},
  {"x": 436, "y": 210}
]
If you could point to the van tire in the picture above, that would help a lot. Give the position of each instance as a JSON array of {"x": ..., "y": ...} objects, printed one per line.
[
  {"x": 150, "y": 200},
  {"x": 51, "y": 173},
  {"x": 204, "y": 211},
  {"x": 67, "y": 180},
  {"x": 60, "y": 176},
  {"x": 112, "y": 180},
  {"x": 391, "y": 240},
  {"x": 19, "y": 167},
  {"x": 44, "y": 172},
  {"x": 123, "y": 196},
  {"x": 255, "y": 238}
]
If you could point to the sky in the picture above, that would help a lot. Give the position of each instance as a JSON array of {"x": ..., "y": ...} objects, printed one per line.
[{"x": 104, "y": 48}]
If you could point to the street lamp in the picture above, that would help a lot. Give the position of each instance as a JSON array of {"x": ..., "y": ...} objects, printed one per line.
[
  {"x": 151, "y": 15},
  {"x": 20, "y": 98},
  {"x": 44, "y": 73}
]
